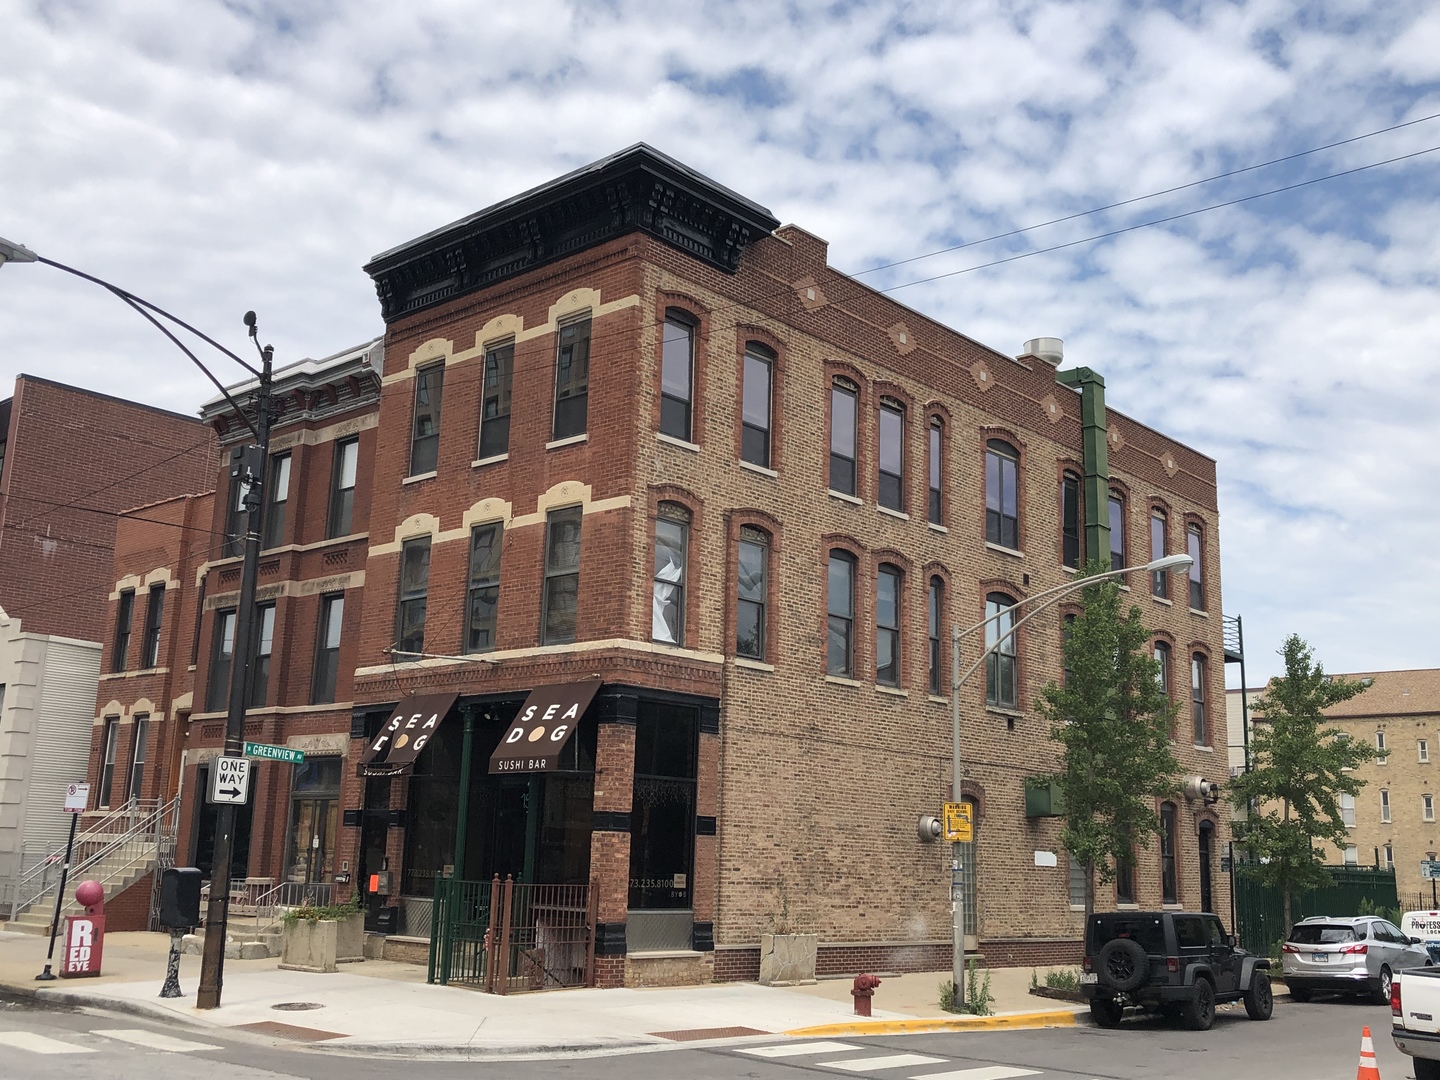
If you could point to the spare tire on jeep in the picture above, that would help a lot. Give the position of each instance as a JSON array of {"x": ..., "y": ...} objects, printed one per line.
[{"x": 1123, "y": 964}]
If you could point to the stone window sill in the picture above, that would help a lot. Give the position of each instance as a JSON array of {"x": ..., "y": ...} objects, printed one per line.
[
  {"x": 893, "y": 691},
  {"x": 759, "y": 470},
  {"x": 938, "y": 700},
  {"x": 845, "y": 498},
  {"x": 937, "y": 528},
  {"x": 671, "y": 440},
  {"x": 840, "y": 680},
  {"x": 479, "y": 463},
  {"x": 1162, "y": 600},
  {"x": 572, "y": 440},
  {"x": 752, "y": 665},
  {"x": 1202, "y": 614},
  {"x": 899, "y": 514},
  {"x": 1000, "y": 710},
  {"x": 419, "y": 477},
  {"x": 1012, "y": 552}
]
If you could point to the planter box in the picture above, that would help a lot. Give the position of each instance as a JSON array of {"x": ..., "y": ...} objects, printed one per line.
[
  {"x": 787, "y": 959},
  {"x": 321, "y": 945}
]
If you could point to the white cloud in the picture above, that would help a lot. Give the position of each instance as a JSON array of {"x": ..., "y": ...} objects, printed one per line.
[{"x": 254, "y": 154}]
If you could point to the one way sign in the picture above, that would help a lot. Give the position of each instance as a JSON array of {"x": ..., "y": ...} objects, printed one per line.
[{"x": 230, "y": 780}]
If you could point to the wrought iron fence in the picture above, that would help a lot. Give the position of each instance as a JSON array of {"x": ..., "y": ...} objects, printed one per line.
[
  {"x": 501, "y": 936},
  {"x": 1259, "y": 909}
]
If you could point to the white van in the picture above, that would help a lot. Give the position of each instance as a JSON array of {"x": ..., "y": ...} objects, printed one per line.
[{"x": 1424, "y": 925}]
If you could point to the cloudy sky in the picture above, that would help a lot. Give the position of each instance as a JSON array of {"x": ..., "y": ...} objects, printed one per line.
[{"x": 215, "y": 157}]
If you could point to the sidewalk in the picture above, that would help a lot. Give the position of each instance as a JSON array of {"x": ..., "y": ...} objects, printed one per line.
[{"x": 380, "y": 1007}]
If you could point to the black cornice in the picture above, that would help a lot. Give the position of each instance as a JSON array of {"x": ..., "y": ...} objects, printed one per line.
[{"x": 638, "y": 189}]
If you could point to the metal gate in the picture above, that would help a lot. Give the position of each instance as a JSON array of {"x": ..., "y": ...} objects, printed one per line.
[
  {"x": 500, "y": 936},
  {"x": 1260, "y": 909}
]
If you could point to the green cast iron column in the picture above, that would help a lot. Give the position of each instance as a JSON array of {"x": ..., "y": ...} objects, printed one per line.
[
  {"x": 1097, "y": 459},
  {"x": 462, "y": 819}
]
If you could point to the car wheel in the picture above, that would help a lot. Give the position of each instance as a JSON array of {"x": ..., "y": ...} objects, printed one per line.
[
  {"x": 1382, "y": 988},
  {"x": 1123, "y": 964},
  {"x": 1426, "y": 1069},
  {"x": 1259, "y": 1001},
  {"x": 1106, "y": 1012},
  {"x": 1300, "y": 994},
  {"x": 1200, "y": 1012}
]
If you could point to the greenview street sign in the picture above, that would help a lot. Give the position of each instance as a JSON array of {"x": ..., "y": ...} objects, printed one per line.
[{"x": 274, "y": 753}]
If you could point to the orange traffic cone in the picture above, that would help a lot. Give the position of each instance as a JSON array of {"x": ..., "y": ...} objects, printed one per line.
[{"x": 1368, "y": 1069}]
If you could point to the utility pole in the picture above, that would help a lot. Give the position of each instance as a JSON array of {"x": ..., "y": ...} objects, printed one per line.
[
  {"x": 248, "y": 464},
  {"x": 957, "y": 866}
]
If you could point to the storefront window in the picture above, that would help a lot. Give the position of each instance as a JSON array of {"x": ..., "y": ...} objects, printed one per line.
[{"x": 662, "y": 814}]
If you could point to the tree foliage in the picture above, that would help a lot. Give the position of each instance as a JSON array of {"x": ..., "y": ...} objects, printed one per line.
[
  {"x": 1299, "y": 769},
  {"x": 1112, "y": 720}
]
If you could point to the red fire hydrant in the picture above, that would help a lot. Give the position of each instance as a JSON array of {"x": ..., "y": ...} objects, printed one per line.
[{"x": 862, "y": 991}]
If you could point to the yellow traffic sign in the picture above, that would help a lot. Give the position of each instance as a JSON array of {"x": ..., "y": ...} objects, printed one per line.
[{"x": 959, "y": 825}]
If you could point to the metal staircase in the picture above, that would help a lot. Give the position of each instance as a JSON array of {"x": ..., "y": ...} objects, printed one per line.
[{"x": 115, "y": 849}]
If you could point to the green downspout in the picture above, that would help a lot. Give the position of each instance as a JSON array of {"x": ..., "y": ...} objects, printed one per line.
[
  {"x": 1097, "y": 459},
  {"x": 462, "y": 819}
]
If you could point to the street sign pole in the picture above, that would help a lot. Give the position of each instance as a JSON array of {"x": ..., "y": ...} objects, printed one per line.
[
  {"x": 47, "y": 975},
  {"x": 212, "y": 964}
]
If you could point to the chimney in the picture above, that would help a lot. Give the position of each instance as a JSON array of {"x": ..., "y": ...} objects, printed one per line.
[{"x": 1051, "y": 350}]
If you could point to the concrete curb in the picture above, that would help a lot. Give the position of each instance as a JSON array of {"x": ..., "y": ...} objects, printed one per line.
[{"x": 1007, "y": 1022}]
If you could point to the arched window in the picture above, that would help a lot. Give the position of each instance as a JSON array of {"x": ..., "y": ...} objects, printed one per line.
[
  {"x": 937, "y": 600},
  {"x": 1070, "y": 518},
  {"x": 755, "y": 395},
  {"x": 676, "y": 373},
  {"x": 1002, "y": 662},
  {"x": 937, "y": 455},
  {"x": 752, "y": 566},
  {"x": 1169, "y": 886},
  {"x": 844, "y": 396},
  {"x": 672, "y": 538},
  {"x": 1002, "y": 496},
  {"x": 887, "y": 625},
  {"x": 892, "y": 455},
  {"x": 840, "y": 618}
]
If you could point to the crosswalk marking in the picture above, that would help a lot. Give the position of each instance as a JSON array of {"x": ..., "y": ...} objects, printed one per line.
[
  {"x": 39, "y": 1044},
  {"x": 891, "y": 1061},
  {"x": 782, "y": 1050},
  {"x": 985, "y": 1072},
  {"x": 154, "y": 1040}
]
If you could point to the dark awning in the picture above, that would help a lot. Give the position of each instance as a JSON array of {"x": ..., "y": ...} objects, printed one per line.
[
  {"x": 410, "y": 726},
  {"x": 545, "y": 723}
]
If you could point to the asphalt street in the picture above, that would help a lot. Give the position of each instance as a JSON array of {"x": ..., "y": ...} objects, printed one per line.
[{"x": 1314, "y": 1041}]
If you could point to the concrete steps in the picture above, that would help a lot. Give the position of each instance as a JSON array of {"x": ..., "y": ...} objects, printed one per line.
[{"x": 122, "y": 873}]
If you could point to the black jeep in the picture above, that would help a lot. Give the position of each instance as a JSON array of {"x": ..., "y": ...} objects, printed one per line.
[{"x": 1177, "y": 963}]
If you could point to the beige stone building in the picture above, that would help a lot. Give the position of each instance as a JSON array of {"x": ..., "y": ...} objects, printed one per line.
[{"x": 1392, "y": 822}]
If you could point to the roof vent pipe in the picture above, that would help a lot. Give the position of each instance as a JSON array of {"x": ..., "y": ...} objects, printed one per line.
[{"x": 1049, "y": 349}]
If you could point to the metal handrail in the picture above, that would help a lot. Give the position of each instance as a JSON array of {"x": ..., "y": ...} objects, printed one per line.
[
  {"x": 98, "y": 828},
  {"x": 148, "y": 831}
]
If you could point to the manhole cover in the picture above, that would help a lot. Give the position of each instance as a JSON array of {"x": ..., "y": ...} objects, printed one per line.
[{"x": 297, "y": 1006}]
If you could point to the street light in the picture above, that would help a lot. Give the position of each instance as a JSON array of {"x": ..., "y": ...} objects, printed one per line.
[
  {"x": 1051, "y": 597},
  {"x": 247, "y": 464}
]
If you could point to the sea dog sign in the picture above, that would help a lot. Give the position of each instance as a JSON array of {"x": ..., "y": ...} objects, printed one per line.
[
  {"x": 545, "y": 723},
  {"x": 408, "y": 729}
]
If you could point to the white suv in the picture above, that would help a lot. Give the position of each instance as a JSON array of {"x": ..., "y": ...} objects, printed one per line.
[{"x": 1349, "y": 956}]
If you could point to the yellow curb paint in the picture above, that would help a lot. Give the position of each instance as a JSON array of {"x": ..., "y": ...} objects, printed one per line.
[{"x": 1018, "y": 1021}]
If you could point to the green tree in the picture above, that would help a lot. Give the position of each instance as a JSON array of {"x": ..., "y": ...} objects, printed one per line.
[
  {"x": 1299, "y": 769},
  {"x": 1112, "y": 719}
]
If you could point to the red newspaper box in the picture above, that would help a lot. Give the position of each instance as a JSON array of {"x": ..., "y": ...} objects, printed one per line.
[{"x": 84, "y": 941}]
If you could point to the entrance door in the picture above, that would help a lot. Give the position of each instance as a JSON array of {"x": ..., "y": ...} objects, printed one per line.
[
  {"x": 314, "y": 813},
  {"x": 1206, "y": 844}
]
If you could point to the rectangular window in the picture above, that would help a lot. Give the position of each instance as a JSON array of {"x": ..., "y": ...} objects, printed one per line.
[
  {"x": 843, "y": 397},
  {"x": 840, "y": 614},
  {"x": 1169, "y": 886},
  {"x": 1427, "y": 807},
  {"x": 1384, "y": 806},
  {"x": 937, "y": 451},
  {"x": 677, "y": 354},
  {"x": 107, "y": 762},
  {"x": 495, "y": 401},
  {"x": 1159, "y": 579},
  {"x": 1347, "y": 810},
  {"x": 887, "y": 626},
  {"x": 1077, "y": 882},
  {"x": 892, "y": 456},
  {"x": 260, "y": 655},
  {"x": 1002, "y": 500},
  {"x": 1197, "y": 568},
  {"x": 562, "y": 575},
  {"x": 667, "y": 615},
  {"x": 1380, "y": 752},
  {"x": 1002, "y": 660},
  {"x": 327, "y": 649},
  {"x": 1125, "y": 881},
  {"x": 137, "y": 756},
  {"x": 237, "y": 520},
  {"x": 1162, "y": 657},
  {"x": 124, "y": 616},
  {"x": 425, "y": 439},
  {"x": 1389, "y": 857},
  {"x": 1117, "y": 532},
  {"x": 937, "y": 596},
  {"x": 572, "y": 379},
  {"x": 342, "y": 488},
  {"x": 154, "y": 614},
  {"x": 1423, "y": 747},
  {"x": 1352, "y": 855},
  {"x": 279, "y": 496},
  {"x": 222, "y": 657},
  {"x": 1070, "y": 521},
  {"x": 755, "y": 406},
  {"x": 1197, "y": 699},
  {"x": 414, "y": 591},
  {"x": 486, "y": 544},
  {"x": 752, "y": 560}
]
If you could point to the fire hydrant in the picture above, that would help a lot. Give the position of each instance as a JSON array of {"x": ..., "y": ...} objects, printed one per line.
[{"x": 862, "y": 991}]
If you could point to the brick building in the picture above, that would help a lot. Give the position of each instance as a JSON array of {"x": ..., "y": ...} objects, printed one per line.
[
  {"x": 1391, "y": 823},
  {"x": 632, "y": 431}
]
